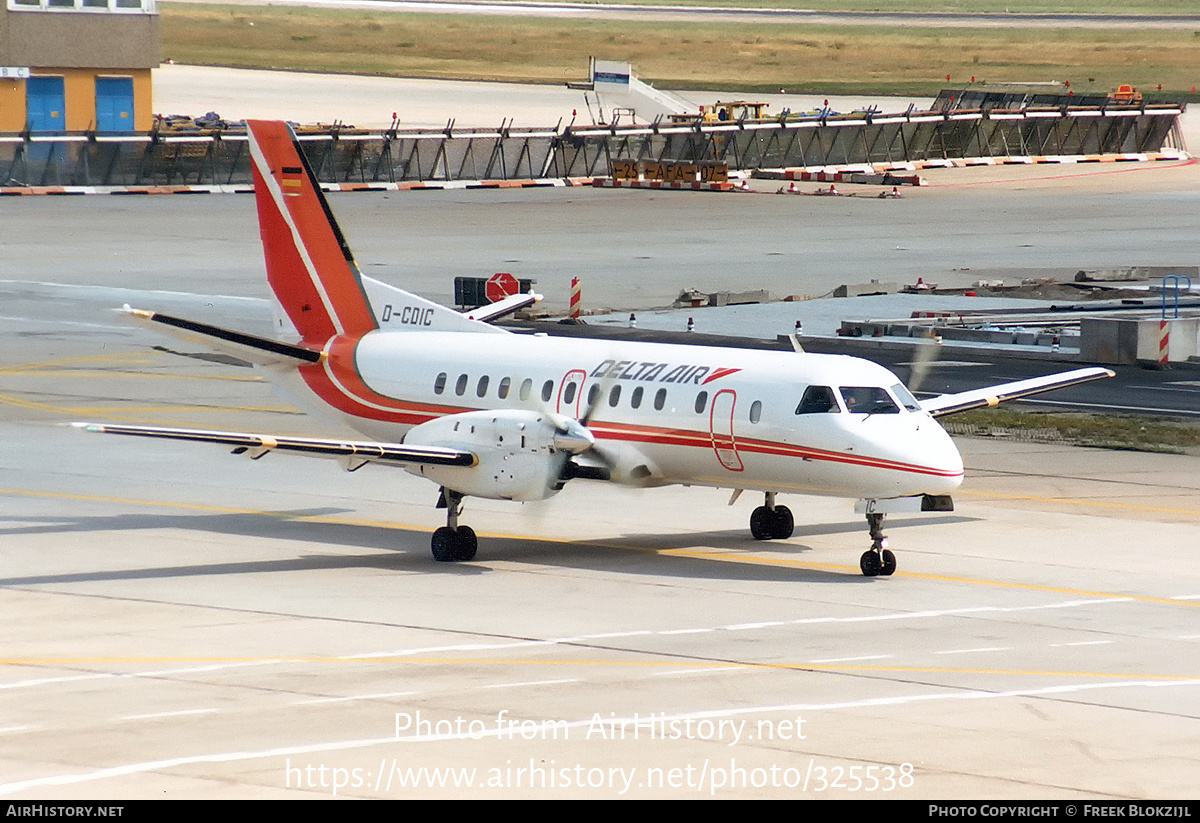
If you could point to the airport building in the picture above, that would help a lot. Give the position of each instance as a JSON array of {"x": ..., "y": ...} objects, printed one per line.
[{"x": 77, "y": 65}]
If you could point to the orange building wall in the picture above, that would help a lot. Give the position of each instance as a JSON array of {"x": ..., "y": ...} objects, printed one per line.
[{"x": 79, "y": 91}]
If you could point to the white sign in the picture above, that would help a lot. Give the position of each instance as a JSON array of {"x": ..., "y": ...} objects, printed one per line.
[{"x": 14, "y": 72}]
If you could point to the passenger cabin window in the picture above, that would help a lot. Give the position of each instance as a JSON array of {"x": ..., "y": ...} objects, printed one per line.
[
  {"x": 756, "y": 411},
  {"x": 868, "y": 400},
  {"x": 502, "y": 389},
  {"x": 701, "y": 402},
  {"x": 817, "y": 400},
  {"x": 660, "y": 399},
  {"x": 569, "y": 394},
  {"x": 439, "y": 383},
  {"x": 526, "y": 388},
  {"x": 547, "y": 391},
  {"x": 614, "y": 396},
  {"x": 460, "y": 386},
  {"x": 635, "y": 399},
  {"x": 481, "y": 389}
]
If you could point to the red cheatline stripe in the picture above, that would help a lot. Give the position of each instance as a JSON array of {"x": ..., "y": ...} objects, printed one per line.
[
  {"x": 346, "y": 391},
  {"x": 704, "y": 440}
]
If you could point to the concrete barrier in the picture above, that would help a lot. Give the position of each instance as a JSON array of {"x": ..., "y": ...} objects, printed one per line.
[{"x": 1114, "y": 340}]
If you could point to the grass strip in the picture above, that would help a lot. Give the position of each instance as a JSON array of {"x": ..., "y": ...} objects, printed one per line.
[
  {"x": 1108, "y": 431},
  {"x": 756, "y": 58},
  {"x": 1171, "y": 7}
]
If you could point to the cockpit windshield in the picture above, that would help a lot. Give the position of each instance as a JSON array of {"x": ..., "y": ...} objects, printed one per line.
[
  {"x": 856, "y": 400},
  {"x": 818, "y": 400},
  {"x": 868, "y": 400},
  {"x": 905, "y": 397}
]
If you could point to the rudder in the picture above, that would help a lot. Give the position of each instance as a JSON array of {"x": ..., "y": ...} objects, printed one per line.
[{"x": 309, "y": 266}]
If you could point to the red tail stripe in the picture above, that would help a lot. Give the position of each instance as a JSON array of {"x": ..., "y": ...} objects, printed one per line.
[{"x": 308, "y": 265}]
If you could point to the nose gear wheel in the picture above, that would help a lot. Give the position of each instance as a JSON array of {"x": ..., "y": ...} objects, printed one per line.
[{"x": 878, "y": 560}]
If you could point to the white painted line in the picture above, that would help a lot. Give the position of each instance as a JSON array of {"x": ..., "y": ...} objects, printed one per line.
[
  {"x": 583, "y": 638},
  {"x": 157, "y": 715},
  {"x": 706, "y": 670},
  {"x": 43, "y": 681},
  {"x": 737, "y": 627},
  {"x": 462, "y": 647},
  {"x": 531, "y": 683},
  {"x": 379, "y": 696}
]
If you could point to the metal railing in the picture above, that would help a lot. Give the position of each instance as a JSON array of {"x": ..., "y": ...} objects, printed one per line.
[{"x": 163, "y": 158}]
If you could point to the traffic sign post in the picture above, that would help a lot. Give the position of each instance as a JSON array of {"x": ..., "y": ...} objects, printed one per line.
[{"x": 501, "y": 285}]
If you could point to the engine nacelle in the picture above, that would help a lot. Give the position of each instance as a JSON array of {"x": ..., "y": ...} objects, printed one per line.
[{"x": 520, "y": 453}]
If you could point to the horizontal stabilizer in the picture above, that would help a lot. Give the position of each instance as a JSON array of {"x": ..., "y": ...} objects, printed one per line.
[
  {"x": 945, "y": 404},
  {"x": 261, "y": 351},
  {"x": 502, "y": 308},
  {"x": 257, "y": 445}
]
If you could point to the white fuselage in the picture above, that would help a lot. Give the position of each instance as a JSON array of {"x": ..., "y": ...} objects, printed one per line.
[{"x": 700, "y": 415}]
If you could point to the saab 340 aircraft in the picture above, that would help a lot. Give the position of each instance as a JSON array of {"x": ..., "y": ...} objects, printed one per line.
[{"x": 484, "y": 412}]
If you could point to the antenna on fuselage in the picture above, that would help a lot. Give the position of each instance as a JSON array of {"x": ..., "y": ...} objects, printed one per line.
[{"x": 794, "y": 339}]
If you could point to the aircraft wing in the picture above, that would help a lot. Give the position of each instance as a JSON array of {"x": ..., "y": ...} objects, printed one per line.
[
  {"x": 945, "y": 404},
  {"x": 353, "y": 454},
  {"x": 261, "y": 351}
]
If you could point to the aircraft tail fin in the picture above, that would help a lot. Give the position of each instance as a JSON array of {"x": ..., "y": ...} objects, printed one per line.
[
  {"x": 309, "y": 265},
  {"x": 310, "y": 268}
]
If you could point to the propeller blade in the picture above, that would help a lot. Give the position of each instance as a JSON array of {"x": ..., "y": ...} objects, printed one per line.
[
  {"x": 925, "y": 355},
  {"x": 576, "y": 439}
]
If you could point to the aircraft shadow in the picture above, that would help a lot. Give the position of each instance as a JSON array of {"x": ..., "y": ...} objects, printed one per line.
[
  {"x": 408, "y": 549},
  {"x": 741, "y": 539}
]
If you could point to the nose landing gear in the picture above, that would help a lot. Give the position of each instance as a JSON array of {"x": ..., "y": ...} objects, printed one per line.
[{"x": 877, "y": 560}]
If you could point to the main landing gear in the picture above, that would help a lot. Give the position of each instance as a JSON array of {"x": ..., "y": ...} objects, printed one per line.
[
  {"x": 453, "y": 542},
  {"x": 877, "y": 560},
  {"x": 771, "y": 522}
]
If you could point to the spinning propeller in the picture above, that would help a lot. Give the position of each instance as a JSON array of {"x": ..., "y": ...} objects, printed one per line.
[
  {"x": 925, "y": 356},
  {"x": 574, "y": 438}
]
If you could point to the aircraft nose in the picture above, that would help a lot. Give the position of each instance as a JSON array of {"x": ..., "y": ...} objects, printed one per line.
[{"x": 941, "y": 456}]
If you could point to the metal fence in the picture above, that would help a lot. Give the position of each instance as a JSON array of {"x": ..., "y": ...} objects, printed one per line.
[{"x": 221, "y": 157}]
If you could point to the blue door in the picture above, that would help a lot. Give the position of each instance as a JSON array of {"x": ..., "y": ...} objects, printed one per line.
[
  {"x": 44, "y": 104},
  {"x": 114, "y": 104}
]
